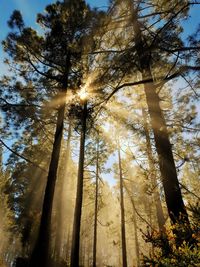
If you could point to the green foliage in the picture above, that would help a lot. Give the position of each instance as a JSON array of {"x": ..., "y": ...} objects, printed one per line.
[
  {"x": 168, "y": 253},
  {"x": 183, "y": 256}
]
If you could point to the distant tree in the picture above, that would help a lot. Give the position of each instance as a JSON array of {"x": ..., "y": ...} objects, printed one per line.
[
  {"x": 122, "y": 208},
  {"x": 97, "y": 153}
]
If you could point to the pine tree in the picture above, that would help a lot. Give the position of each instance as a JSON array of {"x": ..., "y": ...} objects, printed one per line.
[
  {"x": 140, "y": 57},
  {"x": 53, "y": 69},
  {"x": 79, "y": 194}
]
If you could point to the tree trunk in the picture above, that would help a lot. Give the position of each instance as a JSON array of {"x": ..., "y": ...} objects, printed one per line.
[
  {"x": 137, "y": 247},
  {"x": 40, "y": 255},
  {"x": 123, "y": 228},
  {"x": 79, "y": 194},
  {"x": 173, "y": 196},
  {"x": 96, "y": 207},
  {"x": 172, "y": 190},
  {"x": 60, "y": 200},
  {"x": 152, "y": 169}
]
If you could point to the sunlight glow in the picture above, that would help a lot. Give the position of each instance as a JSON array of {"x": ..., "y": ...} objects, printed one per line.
[{"x": 83, "y": 94}]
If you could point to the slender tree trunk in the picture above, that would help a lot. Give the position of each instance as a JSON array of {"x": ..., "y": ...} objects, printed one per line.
[
  {"x": 40, "y": 255},
  {"x": 96, "y": 206},
  {"x": 123, "y": 228},
  {"x": 173, "y": 196},
  {"x": 137, "y": 247},
  {"x": 79, "y": 195},
  {"x": 156, "y": 196},
  {"x": 60, "y": 200}
]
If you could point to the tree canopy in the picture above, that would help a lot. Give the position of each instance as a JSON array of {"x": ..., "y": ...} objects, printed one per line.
[{"x": 100, "y": 130}]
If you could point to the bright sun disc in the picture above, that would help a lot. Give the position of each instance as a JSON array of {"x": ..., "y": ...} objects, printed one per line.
[{"x": 83, "y": 94}]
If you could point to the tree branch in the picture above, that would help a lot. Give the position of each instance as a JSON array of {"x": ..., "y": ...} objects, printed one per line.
[
  {"x": 22, "y": 157},
  {"x": 151, "y": 80},
  {"x": 17, "y": 105}
]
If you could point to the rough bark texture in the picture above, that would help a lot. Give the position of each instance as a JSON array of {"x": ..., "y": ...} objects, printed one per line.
[
  {"x": 96, "y": 207},
  {"x": 79, "y": 195},
  {"x": 123, "y": 228},
  {"x": 40, "y": 255}
]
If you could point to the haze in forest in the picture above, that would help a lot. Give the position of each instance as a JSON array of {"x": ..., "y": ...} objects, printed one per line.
[{"x": 99, "y": 145}]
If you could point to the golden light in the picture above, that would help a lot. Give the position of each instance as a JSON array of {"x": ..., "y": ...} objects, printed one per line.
[{"x": 83, "y": 94}]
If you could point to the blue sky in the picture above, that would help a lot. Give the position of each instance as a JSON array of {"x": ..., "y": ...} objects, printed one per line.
[{"x": 29, "y": 10}]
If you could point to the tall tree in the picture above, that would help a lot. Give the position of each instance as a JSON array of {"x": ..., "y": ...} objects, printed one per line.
[
  {"x": 65, "y": 26},
  {"x": 137, "y": 248},
  {"x": 142, "y": 53},
  {"x": 123, "y": 228},
  {"x": 153, "y": 181},
  {"x": 96, "y": 203},
  {"x": 79, "y": 193},
  {"x": 173, "y": 195},
  {"x": 60, "y": 199}
]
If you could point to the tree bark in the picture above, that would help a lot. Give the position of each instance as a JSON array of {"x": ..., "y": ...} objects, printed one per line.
[
  {"x": 152, "y": 169},
  {"x": 96, "y": 206},
  {"x": 60, "y": 200},
  {"x": 123, "y": 227},
  {"x": 79, "y": 194},
  {"x": 173, "y": 196},
  {"x": 40, "y": 255}
]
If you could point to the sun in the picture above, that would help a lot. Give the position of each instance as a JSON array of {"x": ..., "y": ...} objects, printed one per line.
[{"x": 83, "y": 94}]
